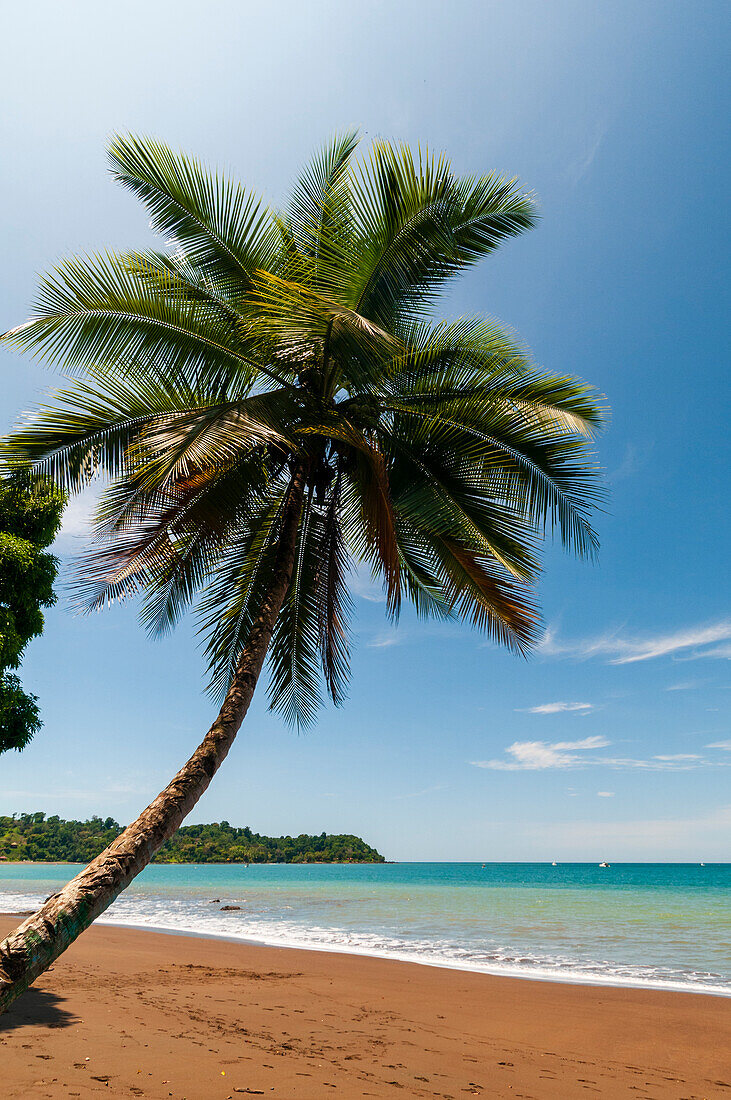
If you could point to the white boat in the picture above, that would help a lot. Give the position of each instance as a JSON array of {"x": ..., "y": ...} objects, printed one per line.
[
  {"x": 605, "y": 864},
  {"x": 554, "y": 864}
]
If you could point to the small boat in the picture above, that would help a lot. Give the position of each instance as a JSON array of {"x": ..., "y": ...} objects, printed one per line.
[
  {"x": 702, "y": 864},
  {"x": 554, "y": 864},
  {"x": 605, "y": 864}
]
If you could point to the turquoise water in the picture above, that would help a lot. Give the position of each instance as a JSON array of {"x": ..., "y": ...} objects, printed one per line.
[{"x": 663, "y": 925}]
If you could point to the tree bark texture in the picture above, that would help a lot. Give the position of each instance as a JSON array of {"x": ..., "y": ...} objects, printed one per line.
[{"x": 40, "y": 939}]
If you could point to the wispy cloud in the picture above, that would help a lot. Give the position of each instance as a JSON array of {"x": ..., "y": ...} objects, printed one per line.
[
  {"x": 605, "y": 794},
  {"x": 388, "y": 638},
  {"x": 111, "y": 793},
  {"x": 538, "y": 755},
  {"x": 720, "y": 745},
  {"x": 673, "y": 762},
  {"x": 622, "y": 650},
  {"x": 76, "y": 522},
  {"x": 676, "y": 756},
  {"x": 557, "y": 708},
  {"x": 687, "y": 685},
  {"x": 544, "y": 755},
  {"x": 362, "y": 584},
  {"x": 579, "y": 167},
  {"x": 723, "y": 652},
  {"x": 631, "y": 463},
  {"x": 418, "y": 794}
]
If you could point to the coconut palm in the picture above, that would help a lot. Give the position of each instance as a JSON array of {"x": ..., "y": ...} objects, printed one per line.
[{"x": 268, "y": 403}]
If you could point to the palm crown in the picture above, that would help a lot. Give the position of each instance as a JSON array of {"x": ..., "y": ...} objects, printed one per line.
[{"x": 262, "y": 343}]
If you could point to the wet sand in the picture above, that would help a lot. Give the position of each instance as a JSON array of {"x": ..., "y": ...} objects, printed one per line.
[{"x": 142, "y": 1014}]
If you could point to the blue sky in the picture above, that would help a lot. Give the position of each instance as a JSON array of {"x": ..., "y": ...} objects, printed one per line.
[{"x": 613, "y": 741}]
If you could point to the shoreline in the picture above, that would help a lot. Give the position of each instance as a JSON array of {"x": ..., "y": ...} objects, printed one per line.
[
  {"x": 506, "y": 972},
  {"x": 493, "y": 972},
  {"x": 134, "y": 1012}
]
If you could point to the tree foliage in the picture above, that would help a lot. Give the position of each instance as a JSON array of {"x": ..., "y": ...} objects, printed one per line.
[
  {"x": 30, "y": 515},
  {"x": 262, "y": 340},
  {"x": 36, "y": 837}
]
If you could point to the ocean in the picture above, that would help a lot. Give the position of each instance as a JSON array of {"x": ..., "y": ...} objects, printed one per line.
[{"x": 666, "y": 926}]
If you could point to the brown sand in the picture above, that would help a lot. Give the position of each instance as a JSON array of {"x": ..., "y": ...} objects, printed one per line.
[{"x": 128, "y": 1013}]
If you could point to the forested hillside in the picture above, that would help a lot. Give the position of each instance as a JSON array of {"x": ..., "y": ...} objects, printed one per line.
[{"x": 36, "y": 837}]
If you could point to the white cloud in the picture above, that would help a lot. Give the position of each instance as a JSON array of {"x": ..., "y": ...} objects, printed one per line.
[
  {"x": 538, "y": 755},
  {"x": 361, "y": 583},
  {"x": 605, "y": 794},
  {"x": 720, "y": 745},
  {"x": 557, "y": 708},
  {"x": 551, "y": 646},
  {"x": 687, "y": 685},
  {"x": 622, "y": 650},
  {"x": 595, "y": 742},
  {"x": 383, "y": 641},
  {"x": 722, "y": 652},
  {"x": 677, "y": 762},
  {"x": 76, "y": 521},
  {"x": 543, "y": 755},
  {"x": 679, "y": 756}
]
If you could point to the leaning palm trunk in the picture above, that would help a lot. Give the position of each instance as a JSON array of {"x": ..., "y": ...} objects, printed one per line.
[{"x": 38, "y": 941}]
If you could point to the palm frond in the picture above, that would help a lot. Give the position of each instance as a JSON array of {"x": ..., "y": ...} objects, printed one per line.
[
  {"x": 333, "y": 599},
  {"x": 368, "y": 474},
  {"x": 294, "y": 682},
  {"x": 94, "y": 310},
  {"x": 225, "y": 231},
  {"x": 310, "y": 329},
  {"x": 238, "y": 584},
  {"x": 480, "y": 591},
  {"x": 318, "y": 215},
  {"x": 420, "y": 224}
]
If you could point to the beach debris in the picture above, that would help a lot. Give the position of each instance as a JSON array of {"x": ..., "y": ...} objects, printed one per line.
[
  {"x": 215, "y": 901},
  {"x": 230, "y": 908}
]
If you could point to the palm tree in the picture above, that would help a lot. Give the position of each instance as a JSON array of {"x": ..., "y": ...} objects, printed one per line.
[{"x": 268, "y": 403}]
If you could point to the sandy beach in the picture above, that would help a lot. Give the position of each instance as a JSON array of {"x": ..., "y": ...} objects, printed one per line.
[{"x": 137, "y": 1013}]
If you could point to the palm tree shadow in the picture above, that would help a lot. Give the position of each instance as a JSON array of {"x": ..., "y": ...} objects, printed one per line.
[{"x": 37, "y": 1006}]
